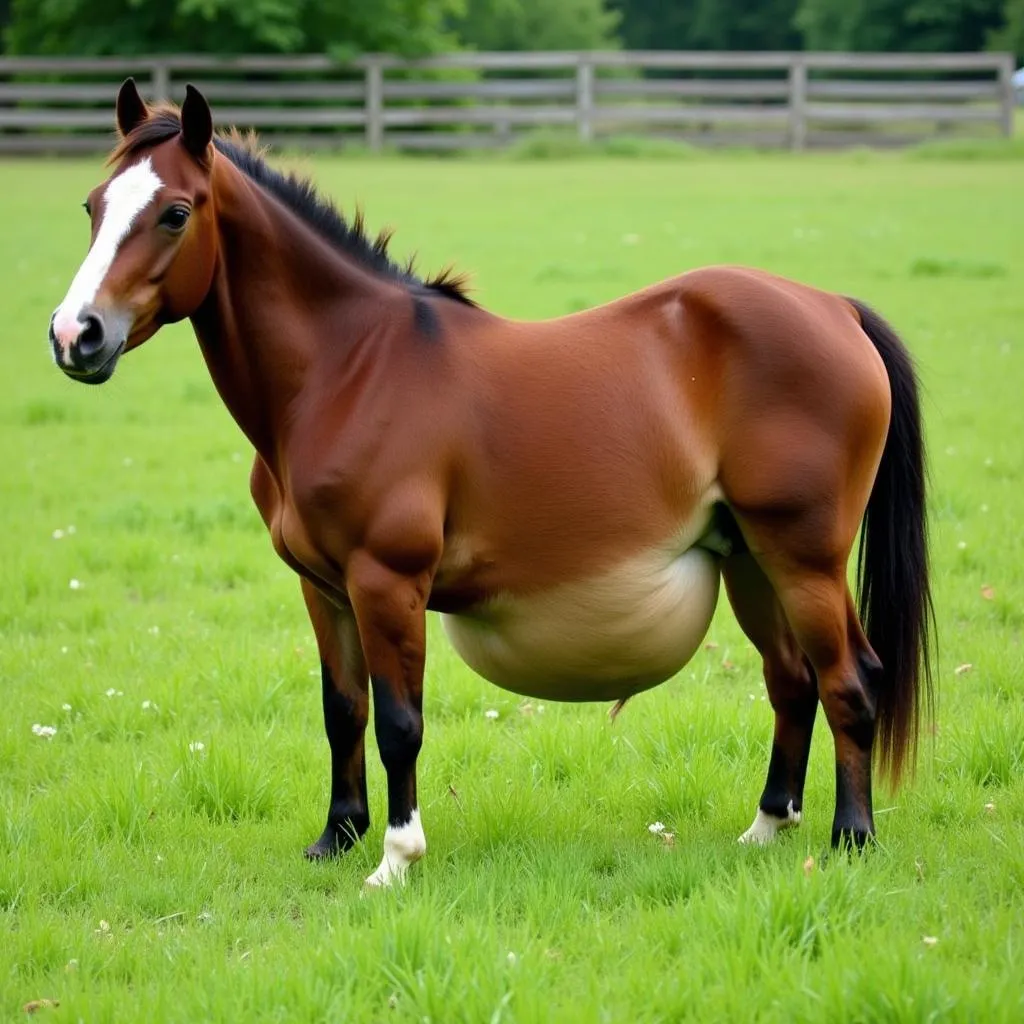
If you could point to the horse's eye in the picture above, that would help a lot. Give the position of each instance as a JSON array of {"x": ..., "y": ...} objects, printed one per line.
[{"x": 174, "y": 218}]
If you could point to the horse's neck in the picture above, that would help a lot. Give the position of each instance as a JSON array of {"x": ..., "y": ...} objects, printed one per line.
[{"x": 262, "y": 328}]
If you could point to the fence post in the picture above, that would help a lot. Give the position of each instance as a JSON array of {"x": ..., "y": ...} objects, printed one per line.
[
  {"x": 374, "y": 105},
  {"x": 585, "y": 97},
  {"x": 798, "y": 103},
  {"x": 161, "y": 82},
  {"x": 1008, "y": 99}
]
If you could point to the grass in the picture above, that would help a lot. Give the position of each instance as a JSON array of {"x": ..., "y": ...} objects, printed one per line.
[{"x": 141, "y": 879}]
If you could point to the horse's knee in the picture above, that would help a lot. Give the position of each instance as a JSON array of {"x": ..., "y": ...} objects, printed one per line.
[
  {"x": 398, "y": 725},
  {"x": 850, "y": 698},
  {"x": 790, "y": 682},
  {"x": 345, "y": 718}
]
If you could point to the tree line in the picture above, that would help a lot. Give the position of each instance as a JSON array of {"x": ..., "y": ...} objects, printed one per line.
[{"x": 420, "y": 27}]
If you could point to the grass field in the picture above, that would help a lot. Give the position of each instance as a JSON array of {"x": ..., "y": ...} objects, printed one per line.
[{"x": 143, "y": 878}]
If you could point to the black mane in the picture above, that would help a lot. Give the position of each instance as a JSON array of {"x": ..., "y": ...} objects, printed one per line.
[{"x": 302, "y": 198}]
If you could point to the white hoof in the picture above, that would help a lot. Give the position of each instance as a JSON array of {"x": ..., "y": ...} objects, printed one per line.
[
  {"x": 403, "y": 845},
  {"x": 766, "y": 826}
]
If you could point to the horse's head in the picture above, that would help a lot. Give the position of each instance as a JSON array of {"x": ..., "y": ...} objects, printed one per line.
[{"x": 154, "y": 241}]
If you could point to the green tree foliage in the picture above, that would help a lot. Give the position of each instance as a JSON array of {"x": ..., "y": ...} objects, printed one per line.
[
  {"x": 655, "y": 24},
  {"x": 90, "y": 27},
  {"x": 1010, "y": 35},
  {"x": 708, "y": 24},
  {"x": 415, "y": 27},
  {"x": 904, "y": 25},
  {"x": 741, "y": 25},
  {"x": 536, "y": 25}
]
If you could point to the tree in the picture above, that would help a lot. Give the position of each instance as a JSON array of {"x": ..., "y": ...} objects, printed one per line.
[
  {"x": 93, "y": 27},
  {"x": 741, "y": 25},
  {"x": 708, "y": 24},
  {"x": 655, "y": 24},
  {"x": 899, "y": 25},
  {"x": 1010, "y": 35},
  {"x": 536, "y": 25}
]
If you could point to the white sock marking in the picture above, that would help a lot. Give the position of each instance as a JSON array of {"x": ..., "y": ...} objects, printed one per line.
[
  {"x": 403, "y": 844},
  {"x": 125, "y": 198},
  {"x": 766, "y": 826}
]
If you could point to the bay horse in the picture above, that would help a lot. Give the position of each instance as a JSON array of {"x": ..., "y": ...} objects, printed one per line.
[{"x": 567, "y": 494}]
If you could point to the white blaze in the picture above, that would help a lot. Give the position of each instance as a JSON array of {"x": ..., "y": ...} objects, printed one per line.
[
  {"x": 403, "y": 844},
  {"x": 125, "y": 198}
]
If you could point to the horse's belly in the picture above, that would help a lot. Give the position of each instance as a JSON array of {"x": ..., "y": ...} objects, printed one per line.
[{"x": 602, "y": 639}]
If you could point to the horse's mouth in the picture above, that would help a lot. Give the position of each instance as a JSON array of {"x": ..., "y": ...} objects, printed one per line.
[{"x": 99, "y": 374}]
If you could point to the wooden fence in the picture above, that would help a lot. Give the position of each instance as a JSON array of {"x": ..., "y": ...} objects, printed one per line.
[{"x": 471, "y": 100}]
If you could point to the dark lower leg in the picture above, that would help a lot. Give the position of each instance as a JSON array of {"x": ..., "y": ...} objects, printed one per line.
[
  {"x": 791, "y": 746},
  {"x": 852, "y": 706},
  {"x": 398, "y": 723},
  {"x": 791, "y": 688},
  {"x": 390, "y": 609},
  {"x": 348, "y": 816}
]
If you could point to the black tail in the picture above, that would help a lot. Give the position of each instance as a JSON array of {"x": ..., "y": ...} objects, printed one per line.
[{"x": 892, "y": 562}]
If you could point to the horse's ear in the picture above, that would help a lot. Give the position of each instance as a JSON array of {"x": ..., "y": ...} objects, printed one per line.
[
  {"x": 131, "y": 107},
  {"x": 196, "y": 122}
]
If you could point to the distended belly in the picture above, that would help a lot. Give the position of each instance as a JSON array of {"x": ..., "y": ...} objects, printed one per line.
[{"x": 601, "y": 639}]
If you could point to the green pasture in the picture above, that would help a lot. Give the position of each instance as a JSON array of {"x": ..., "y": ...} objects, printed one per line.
[{"x": 143, "y": 878}]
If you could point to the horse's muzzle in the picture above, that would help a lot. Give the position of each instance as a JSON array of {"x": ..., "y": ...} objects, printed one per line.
[{"x": 89, "y": 353}]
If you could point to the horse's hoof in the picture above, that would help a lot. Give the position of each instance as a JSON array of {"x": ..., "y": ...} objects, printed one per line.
[
  {"x": 327, "y": 846},
  {"x": 847, "y": 839},
  {"x": 767, "y": 826},
  {"x": 321, "y": 851}
]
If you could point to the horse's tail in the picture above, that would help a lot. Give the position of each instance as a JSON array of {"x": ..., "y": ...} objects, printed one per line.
[{"x": 895, "y": 600}]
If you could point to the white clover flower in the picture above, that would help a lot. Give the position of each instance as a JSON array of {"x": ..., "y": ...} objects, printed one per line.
[
  {"x": 65, "y": 707},
  {"x": 196, "y": 747},
  {"x": 656, "y": 828},
  {"x": 491, "y": 713},
  {"x": 75, "y": 584},
  {"x": 45, "y": 731},
  {"x": 58, "y": 534}
]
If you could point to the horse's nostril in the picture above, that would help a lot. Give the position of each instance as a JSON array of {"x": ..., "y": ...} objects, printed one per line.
[{"x": 90, "y": 340}]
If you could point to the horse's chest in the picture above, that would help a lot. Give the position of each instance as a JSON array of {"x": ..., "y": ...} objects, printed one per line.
[{"x": 601, "y": 639}]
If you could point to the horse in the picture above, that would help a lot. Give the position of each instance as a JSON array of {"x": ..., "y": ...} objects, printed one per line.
[{"x": 567, "y": 494}]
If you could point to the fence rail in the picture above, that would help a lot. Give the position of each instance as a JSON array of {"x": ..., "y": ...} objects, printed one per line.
[{"x": 471, "y": 100}]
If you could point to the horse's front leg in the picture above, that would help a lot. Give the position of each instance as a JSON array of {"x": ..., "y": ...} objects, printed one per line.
[
  {"x": 346, "y": 707},
  {"x": 390, "y": 609}
]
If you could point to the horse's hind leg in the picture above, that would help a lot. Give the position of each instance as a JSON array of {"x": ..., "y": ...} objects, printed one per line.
[
  {"x": 803, "y": 554},
  {"x": 792, "y": 690}
]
